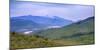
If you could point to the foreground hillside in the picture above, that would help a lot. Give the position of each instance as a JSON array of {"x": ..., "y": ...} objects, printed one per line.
[{"x": 34, "y": 41}]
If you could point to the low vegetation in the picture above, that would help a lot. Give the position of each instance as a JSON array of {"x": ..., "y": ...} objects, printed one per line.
[{"x": 34, "y": 41}]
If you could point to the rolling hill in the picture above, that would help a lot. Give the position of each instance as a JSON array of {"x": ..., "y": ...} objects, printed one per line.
[{"x": 77, "y": 29}]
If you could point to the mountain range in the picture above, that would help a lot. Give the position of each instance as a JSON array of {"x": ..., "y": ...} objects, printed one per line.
[{"x": 34, "y": 23}]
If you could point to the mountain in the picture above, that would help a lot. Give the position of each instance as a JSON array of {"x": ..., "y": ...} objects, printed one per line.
[
  {"x": 56, "y": 21},
  {"x": 21, "y": 25},
  {"x": 73, "y": 30},
  {"x": 33, "y": 23}
]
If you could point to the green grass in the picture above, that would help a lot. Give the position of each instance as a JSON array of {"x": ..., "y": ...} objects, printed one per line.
[
  {"x": 84, "y": 27},
  {"x": 34, "y": 41},
  {"x": 24, "y": 41}
]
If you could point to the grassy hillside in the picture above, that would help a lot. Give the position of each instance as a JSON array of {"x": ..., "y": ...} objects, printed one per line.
[
  {"x": 82, "y": 27},
  {"x": 34, "y": 41}
]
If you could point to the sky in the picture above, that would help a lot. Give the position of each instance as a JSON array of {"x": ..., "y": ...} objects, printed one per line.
[{"x": 72, "y": 12}]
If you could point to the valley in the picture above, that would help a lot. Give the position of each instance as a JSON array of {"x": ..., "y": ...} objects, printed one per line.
[{"x": 77, "y": 33}]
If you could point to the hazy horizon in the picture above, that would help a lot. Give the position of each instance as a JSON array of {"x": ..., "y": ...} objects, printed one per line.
[{"x": 67, "y": 11}]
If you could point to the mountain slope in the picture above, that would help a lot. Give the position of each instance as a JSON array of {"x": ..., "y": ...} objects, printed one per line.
[
  {"x": 20, "y": 25},
  {"x": 82, "y": 27}
]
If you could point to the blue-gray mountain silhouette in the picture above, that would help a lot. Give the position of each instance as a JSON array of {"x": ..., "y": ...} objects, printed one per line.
[{"x": 30, "y": 22}]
